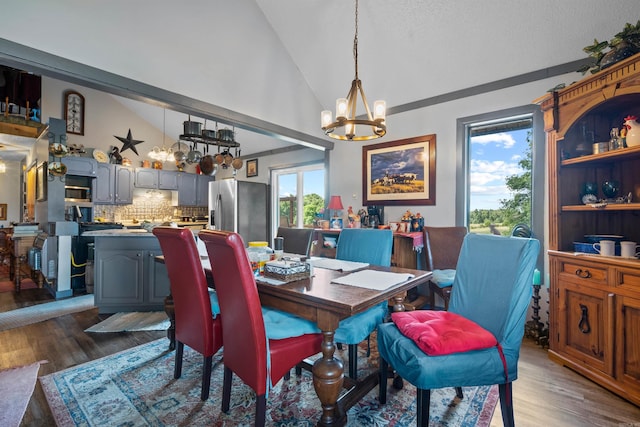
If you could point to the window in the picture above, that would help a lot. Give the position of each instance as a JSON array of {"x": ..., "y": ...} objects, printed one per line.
[
  {"x": 500, "y": 181},
  {"x": 287, "y": 186}
]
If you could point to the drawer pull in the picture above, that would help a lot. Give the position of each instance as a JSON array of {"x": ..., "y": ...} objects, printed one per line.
[
  {"x": 583, "y": 325},
  {"x": 583, "y": 274}
]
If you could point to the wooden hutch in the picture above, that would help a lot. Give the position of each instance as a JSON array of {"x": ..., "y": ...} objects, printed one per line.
[{"x": 594, "y": 317}]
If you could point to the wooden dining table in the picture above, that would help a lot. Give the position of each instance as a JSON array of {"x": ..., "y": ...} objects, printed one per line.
[{"x": 326, "y": 303}]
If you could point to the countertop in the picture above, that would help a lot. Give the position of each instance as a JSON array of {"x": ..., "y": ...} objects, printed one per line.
[{"x": 119, "y": 232}]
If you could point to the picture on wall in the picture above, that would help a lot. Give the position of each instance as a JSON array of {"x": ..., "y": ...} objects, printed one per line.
[
  {"x": 252, "y": 168},
  {"x": 400, "y": 172}
]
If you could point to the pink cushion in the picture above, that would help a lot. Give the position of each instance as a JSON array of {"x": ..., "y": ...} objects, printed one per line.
[{"x": 442, "y": 332}]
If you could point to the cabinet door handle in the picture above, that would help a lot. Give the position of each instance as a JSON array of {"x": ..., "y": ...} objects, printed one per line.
[
  {"x": 583, "y": 325},
  {"x": 584, "y": 274}
]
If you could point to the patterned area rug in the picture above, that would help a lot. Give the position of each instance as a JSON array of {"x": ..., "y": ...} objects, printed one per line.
[
  {"x": 136, "y": 387},
  {"x": 133, "y": 321},
  {"x": 16, "y": 387}
]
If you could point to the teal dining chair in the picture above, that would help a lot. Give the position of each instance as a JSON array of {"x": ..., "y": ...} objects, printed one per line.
[
  {"x": 477, "y": 342},
  {"x": 373, "y": 247}
]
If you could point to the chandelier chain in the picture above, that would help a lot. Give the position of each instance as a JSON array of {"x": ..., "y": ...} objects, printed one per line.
[{"x": 355, "y": 43}]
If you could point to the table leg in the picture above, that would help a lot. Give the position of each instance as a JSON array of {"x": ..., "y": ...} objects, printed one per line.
[{"x": 328, "y": 378}]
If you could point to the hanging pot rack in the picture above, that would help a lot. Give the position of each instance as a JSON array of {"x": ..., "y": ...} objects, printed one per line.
[{"x": 220, "y": 137}]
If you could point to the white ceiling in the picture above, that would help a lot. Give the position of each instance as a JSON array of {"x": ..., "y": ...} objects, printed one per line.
[{"x": 409, "y": 50}]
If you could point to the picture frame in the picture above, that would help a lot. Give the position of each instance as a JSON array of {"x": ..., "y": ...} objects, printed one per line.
[
  {"x": 400, "y": 172},
  {"x": 41, "y": 182},
  {"x": 3, "y": 211},
  {"x": 252, "y": 168}
]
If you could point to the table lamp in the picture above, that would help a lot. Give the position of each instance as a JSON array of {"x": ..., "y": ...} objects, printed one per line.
[{"x": 335, "y": 204}]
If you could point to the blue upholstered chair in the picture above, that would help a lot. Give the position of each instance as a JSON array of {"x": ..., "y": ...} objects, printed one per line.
[
  {"x": 492, "y": 288},
  {"x": 374, "y": 247}
]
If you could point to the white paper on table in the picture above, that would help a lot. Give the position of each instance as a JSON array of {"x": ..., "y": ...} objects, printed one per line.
[
  {"x": 270, "y": 281},
  {"x": 373, "y": 279},
  {"x": 337, "y": 264}
]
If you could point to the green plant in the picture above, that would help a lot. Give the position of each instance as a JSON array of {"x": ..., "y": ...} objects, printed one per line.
[{"x": 627, "y": 39}]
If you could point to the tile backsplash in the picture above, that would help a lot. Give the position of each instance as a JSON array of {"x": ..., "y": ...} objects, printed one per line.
[{"x": 147, "y": 207}]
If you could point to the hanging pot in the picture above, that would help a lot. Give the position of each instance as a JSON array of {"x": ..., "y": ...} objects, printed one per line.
[
  {"x": 192, "y": 128},
  {"x": 225, "y": 135},
  {"x": 208, "y": 134},
  {"x": 237, "y": 162},
  {"x": 208, "y": 166},
  {"x": 194, "y": 155}
]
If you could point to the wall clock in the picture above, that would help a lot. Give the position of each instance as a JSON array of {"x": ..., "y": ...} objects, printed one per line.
[{"x": 74, "y": 112}]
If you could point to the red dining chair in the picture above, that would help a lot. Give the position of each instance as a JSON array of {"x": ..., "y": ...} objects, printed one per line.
[
  {"x": 249, "y": 349},
  {"x": 197, "y": 316}
]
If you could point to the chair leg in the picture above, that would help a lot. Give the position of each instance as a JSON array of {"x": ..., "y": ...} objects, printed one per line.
[
  {"x": 287, "y": 376},
  {"x": 177, "y": 369},
  {"x": 206, "y": 377},
  {"x": 298, "y": 370},
  {"x": 382, "y": 380},
  {"x": 226, "y": 389},
  {"x": 506, "y": 404},
  {"x": 261, "y": 410},
  {"x": 368, "y": 345},
  {"x": 459, "y": 392},
  {"x": 422, "y": 402},
  {"x": 353, "y": 361}
]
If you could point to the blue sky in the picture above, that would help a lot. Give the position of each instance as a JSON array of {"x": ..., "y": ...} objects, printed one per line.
[
  {"x": 313, "y": 183},
  {"x": 493, "y": 158}
]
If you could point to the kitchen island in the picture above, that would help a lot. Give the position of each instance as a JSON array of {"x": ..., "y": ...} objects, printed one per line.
[{"x": 126, "y": 276}]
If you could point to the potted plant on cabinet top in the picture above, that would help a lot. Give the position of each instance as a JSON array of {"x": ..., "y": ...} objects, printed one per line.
[{"x": 623, "y": 45}]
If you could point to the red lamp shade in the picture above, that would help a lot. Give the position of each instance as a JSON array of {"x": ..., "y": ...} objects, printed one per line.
[{"x": 335, "y": 203}]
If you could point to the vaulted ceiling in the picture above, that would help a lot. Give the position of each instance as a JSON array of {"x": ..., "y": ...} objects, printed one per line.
[{"x": 280, "y": 62}]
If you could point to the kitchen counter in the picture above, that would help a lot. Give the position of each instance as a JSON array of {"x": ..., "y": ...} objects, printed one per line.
[{"x": 119, "y": 232}]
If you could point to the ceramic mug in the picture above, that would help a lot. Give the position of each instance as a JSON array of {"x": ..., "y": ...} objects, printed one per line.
[
  {"x": 628, "y": 249},
  {"x": 605, "y": 247}
]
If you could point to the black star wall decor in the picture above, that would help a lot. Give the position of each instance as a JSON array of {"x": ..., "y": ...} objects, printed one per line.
[{"x": 129, "y": 142}]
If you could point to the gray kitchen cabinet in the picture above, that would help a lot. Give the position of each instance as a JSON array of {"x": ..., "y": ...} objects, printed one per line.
[
  {"x": 127, "y": 277},
  {"x": 157, "y": 179},
  {"x": 114, "y": 185},
  {"x": 187, "y": 189},
  {"x": 202, "y": 190},
  {"x": 146, "y": 178},
  {"x": 81, "y": 166},
  {"x": 168, "y": 180}
]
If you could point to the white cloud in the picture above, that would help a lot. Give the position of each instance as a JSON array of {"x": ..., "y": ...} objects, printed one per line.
[{"x": 504, "y": 139}]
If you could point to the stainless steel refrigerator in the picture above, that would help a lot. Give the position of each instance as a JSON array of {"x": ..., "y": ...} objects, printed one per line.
[{"x": 240, "y": 206}]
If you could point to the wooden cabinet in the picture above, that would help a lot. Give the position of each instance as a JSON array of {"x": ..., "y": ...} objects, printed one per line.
[
  {"x": 594, "y": 316},
  {"x": 127, "y": 276},
  {"x": 113, "y": 185}
]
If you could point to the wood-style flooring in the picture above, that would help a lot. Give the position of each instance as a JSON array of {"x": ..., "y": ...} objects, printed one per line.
[{"x": 545, "y": 394}]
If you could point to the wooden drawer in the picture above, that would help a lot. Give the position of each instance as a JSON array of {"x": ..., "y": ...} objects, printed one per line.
[
  {"x": 584, "y": 273},
  {"x": 628, "y": 281}
]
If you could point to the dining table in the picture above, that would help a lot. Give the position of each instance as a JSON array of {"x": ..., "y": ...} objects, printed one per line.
[{"x": 320, "y": 299}]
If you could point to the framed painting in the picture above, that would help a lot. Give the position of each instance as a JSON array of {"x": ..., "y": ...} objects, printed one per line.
[
  {"x": 400, "y": 172},
  {"x": 252, "y": 168},
  {"x": 41, "y": 182},
  {"x": 3, "y": 211}
]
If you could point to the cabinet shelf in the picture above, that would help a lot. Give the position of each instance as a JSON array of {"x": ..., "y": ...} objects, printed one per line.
[
  {"x": 608, "y": 156},
  {"x": 610, "y": 207}
]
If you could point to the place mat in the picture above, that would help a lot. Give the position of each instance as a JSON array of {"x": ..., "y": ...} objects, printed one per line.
[{"x": 373, "y": 279}]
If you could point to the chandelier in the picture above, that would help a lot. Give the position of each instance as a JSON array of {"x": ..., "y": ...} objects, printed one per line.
[
  {"x": 354, "y": 129},
  {"x": 162, "y": 154}
]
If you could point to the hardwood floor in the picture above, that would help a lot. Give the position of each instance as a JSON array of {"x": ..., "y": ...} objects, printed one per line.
[{"x": 545, "y": 393}]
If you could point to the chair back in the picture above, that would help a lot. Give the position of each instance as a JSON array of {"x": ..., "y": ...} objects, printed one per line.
[
  {"x": 442, "y": 246},
  {"x": 296, "y": 240},
  {"x": 243, "y": 331},
  {"x": 492, "y": 286},
  {"x": 194, "y": 321},
  {"x": 368, "y": 245}
]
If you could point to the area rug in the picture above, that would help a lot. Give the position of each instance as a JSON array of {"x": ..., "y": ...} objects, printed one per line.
[
  {"x": 16, "y": 387},
  {"x": 134, "y": 321},
  {"x": 136, "y": 387},
  {"x": 41, "y": 312}
]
